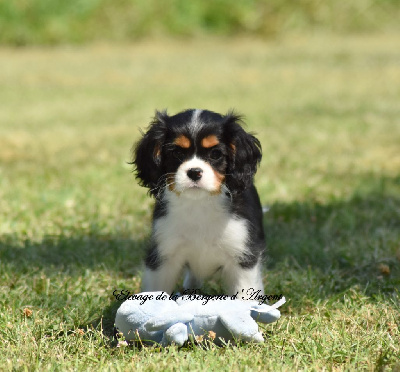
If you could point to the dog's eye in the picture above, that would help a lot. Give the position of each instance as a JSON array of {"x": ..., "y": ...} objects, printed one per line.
[
  {"x": 178, "y": 154},
  {"x": 216, "y": 154}
]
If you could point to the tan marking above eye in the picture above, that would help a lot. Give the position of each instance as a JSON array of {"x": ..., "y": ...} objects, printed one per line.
[
  {"x": 209, "y": 141},
  {"x": 182, "y": 141}
]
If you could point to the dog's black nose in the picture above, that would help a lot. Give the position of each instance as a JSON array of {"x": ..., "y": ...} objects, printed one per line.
[{"x": 195, "y": 173}]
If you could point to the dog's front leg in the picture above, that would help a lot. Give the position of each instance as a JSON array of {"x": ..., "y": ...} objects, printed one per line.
[
  {"x": 239, "y": 280},
  {"x": 162, "y": 278}
]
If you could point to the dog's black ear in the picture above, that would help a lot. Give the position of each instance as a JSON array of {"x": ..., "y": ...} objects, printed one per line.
[
  {"x": 148, "y": 151},
  {"x": 244, "y": 154}
]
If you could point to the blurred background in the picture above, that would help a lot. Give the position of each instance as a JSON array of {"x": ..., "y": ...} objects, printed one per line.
[{"x": 44, "y": 22}]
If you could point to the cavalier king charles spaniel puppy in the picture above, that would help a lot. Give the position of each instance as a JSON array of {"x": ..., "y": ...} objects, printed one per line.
[{"x": 199, "y": 166}]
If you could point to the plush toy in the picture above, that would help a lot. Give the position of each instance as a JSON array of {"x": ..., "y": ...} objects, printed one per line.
[{"x": 155, "y": 317}]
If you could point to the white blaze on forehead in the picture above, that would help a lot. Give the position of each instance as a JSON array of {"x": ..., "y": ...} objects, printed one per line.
[{"x": 196, "y": 123}]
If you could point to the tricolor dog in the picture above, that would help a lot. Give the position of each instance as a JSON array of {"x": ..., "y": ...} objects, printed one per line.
[{"x": 199, "y": 166}]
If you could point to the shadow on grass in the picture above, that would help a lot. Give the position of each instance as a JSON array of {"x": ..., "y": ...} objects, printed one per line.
[
  {"x": 314, "y": 250},
  {"x": 325, "y": 249},
  {"x": 67, "y": 254},
  {"x": 71, "y": 277}
]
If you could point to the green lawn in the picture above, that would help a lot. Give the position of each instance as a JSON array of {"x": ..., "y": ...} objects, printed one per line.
[{"x": 73, "y": 221}]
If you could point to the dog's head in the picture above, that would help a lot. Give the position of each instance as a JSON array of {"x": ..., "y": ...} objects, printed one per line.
[{"x": 196, "y": 152}]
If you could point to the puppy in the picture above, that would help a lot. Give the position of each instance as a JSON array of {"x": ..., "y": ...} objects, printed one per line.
[{"x": 199, "y": 166}]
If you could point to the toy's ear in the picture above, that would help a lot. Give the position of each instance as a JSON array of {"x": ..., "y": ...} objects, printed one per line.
[
  {"x": 147, "y": 153},
  {"x": 265, "y": 315},
  {"x": 244, "y": 154}
]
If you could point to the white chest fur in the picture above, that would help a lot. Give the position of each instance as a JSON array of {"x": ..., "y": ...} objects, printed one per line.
[{"x": 200, "y": 232}]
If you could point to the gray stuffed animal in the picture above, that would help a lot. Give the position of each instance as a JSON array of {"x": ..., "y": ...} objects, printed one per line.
[{"x": 149, "y": 318}]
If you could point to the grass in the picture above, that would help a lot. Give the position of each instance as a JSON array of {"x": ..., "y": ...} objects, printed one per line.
[
  {"x": 49, "y": 22},
  {"x": 74, "y": 222}
]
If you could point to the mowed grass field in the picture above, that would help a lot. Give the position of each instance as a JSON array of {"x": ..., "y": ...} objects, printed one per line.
[{"x": 74, "y": 222}]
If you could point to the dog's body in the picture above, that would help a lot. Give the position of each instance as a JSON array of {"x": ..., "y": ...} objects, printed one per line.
[{"x": 200, "y": 166}]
